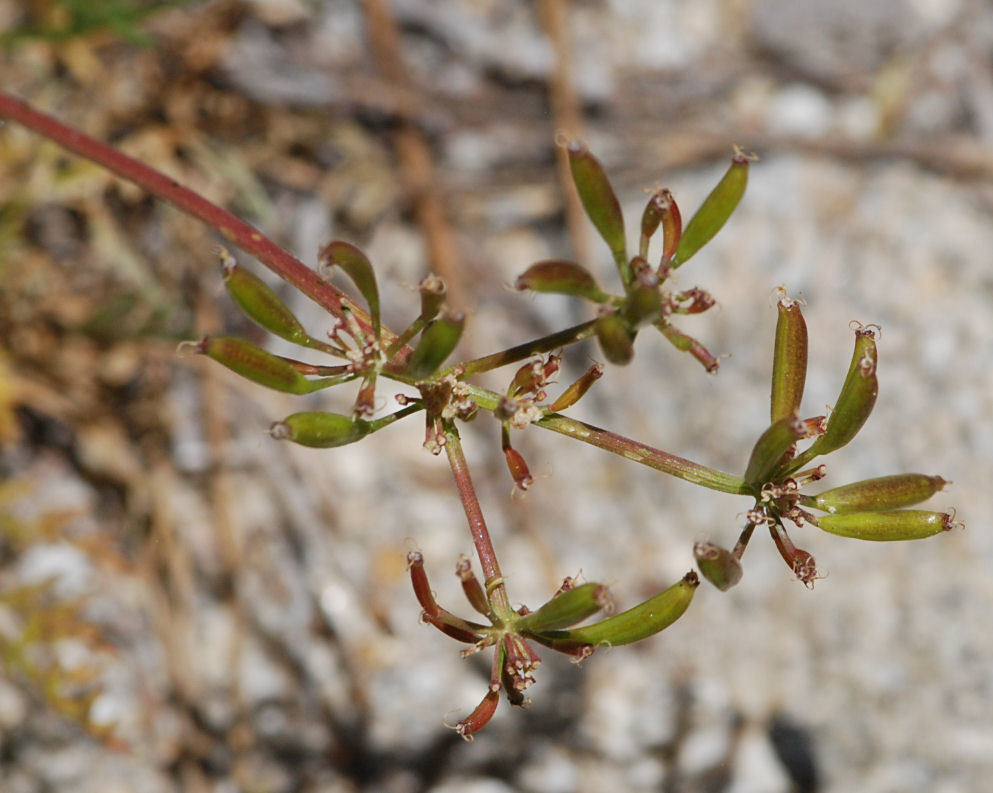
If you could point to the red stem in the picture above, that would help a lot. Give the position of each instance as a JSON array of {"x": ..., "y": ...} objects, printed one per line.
[
  {"x": 232, "y": 228},
  {"x": 477, "y": 525}
]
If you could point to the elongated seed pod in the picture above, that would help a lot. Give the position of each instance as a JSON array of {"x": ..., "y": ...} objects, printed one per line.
[
  {"x": 715, "y": 209},
  {"x": 672, "y": 230},
  {"x": 359, "y": 269},
  {"x": 578, "y": 389},
  {"x": 433, "y": 290},
  {"x": 658, "y": 210},
  {"x": 597, "y": 197},
  {"x": 562, "y": 278},
  {"x": 481, "y": 716},
  {"x": 789, "y": 360},
  {"x": 718, "y": 565},
  {"x": 262, "y": 305},
  {"x": 435, "y": 345},
  {"x": 259, "y": 366},
  {"x": 654, "y": 211},
  {"x": 639, "y": 622},
  {"x": 771, "y": 447},
  {"x": 857, "y": 397},
  {"x": 319, "y": 430},
  {"x": 471, "y": 588},
  {"x": 883, "y": 493},
  {"x": 566, "y": 608},
  {"x": 899, "y": 524},
  {"x": 616, "y": 341}
]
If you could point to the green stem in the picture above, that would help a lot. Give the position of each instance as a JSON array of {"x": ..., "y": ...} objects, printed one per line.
[
  {"x": 679, "y": 467},
  {"x": 415, "y": 327},
  {"x": 385, "y": 421},
  {"x": 495, "y": 588},
  {"x": 514, "y": 354}
]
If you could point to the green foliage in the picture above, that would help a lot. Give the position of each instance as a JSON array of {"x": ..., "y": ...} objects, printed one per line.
[{"x": 60, "y": 20}]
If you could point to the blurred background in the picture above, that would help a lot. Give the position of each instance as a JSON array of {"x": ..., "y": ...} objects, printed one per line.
[{"x": 186, "y": 605}]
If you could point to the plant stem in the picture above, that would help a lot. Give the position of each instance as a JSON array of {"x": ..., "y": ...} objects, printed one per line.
[
  {"x": 495, "y": 587},
  {"x": 548, "y": 343},
  {"x": 663, "y": 461},
  {"x": 385, "y": 421},
  {"x": 232, "y": 228},
  {"x": 679, "y": 467}
]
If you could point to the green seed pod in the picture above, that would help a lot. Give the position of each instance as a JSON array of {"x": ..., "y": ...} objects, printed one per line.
[
  {"x": 857, "y": 397},
  {"x": 578, "y": 389},
  {"x": 900, "y": 524},
  {"x": 358, "y": 268},
  {"x": 597, "y": 196},
  {"x": 771, "y": 447},
  {"x": 261, "y": 304},
  {"x": 435, "y": 345},
  {"x": 715, "y": 209},
  {"x": 639, "y": 622},
  {"x": 615, "y": 339},
  {"x": 319, "y": 430},
  {"x": 561, "y": 278},
  {"x": 567, "y": 608},
  {"x": 718, "y": 565},
  {"x": 433, "y": 290},
  {"x": 883, "y": 493},
  {"x": 789, "y": 360},
  {"x": 259, "y": 366}
]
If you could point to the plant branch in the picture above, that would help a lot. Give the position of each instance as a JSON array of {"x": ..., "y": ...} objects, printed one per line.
[
  {"x": 548, "y": 343},
  {"x": 232, "y": 228},
  {"x": 662, "y": 461},
  {"x": 477, "y": 525}
]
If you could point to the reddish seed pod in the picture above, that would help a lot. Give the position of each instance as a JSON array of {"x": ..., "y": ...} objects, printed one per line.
[
  {"x": 518, "y": 468},
  {"x": 693, "y": 301},
  {"x": 480, "y": 717},
  {"x": 561, "y": 278},
  {"x": 471, "y": 587},
  {"x": 672, "y": 230},
  {"x": 578, "y": 389},
  {"x": 655, "y": 210}
]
